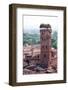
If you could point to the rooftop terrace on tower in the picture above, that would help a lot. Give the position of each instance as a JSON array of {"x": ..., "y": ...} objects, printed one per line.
[{"x": 45, "y": 27}]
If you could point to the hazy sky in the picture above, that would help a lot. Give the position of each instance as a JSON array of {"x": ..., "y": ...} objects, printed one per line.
[{"x": 32, "y": 23}]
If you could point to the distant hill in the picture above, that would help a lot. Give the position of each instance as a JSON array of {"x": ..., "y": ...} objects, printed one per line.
[{"x": 34, "y": 38}]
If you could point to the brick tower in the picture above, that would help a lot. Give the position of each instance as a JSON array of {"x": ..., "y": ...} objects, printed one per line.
[{"x": 45, "y": 41}]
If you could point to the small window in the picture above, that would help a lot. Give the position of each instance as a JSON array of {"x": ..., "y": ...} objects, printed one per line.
[
  {"x": 43, "y": 46},
  {"x": 46, "y": 47},
  {"x": 44, "y": 55},
  {"x": 38, "y": 56}
]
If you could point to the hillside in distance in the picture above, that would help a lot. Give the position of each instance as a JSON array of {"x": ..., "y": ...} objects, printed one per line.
[{"x": 34, "y": 38}]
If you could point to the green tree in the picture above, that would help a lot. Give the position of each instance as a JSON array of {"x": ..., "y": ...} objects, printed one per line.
[{"x": 54, "y": 39}]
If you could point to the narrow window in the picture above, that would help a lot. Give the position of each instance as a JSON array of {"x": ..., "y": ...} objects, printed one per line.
[
  {"x": 46, "y": 47},
  {"x": 44, "y": 55}
]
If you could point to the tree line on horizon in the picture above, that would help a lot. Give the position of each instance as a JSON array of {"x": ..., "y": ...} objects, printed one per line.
[{"x": 34, "y": 38}]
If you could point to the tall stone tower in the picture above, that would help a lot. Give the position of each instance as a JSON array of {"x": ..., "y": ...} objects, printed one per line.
[{"x": 45, "y": 41}]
